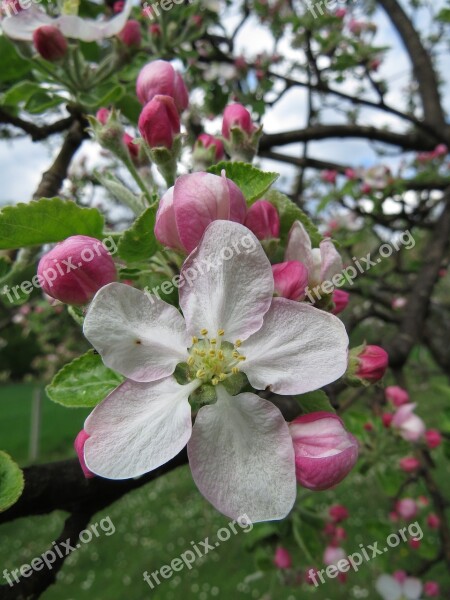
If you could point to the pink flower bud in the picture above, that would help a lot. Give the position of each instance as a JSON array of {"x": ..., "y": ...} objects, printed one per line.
[
  {"x": 351, "y": 174},
  {"x": 159, "y": 122},
  {"x": 131, "y": 35},
  {"x": 440, "y": 150},
  {"x": 338, "y": 513},
  {"x": 400, "y": 576},
  {"x": 333, "y": 555},
  {"x": 431, "y": 589},
  {"x": 50, "y": 42},
  {"x": 79, "y": 442},
  {"x": 118, "y": 6},
  {"x": 372, "y": 364},
  {"x": 290, "y": 279},
  {"x": 186, "y": 209},
  {"x": 159, "y": 78},
  {"x": 324, "y": 451},
  {"x": 236, "y": 115},
  {"x": 340, "y": 13},
  {"x": 282, "y": 558},
  {"x": 209, "y": 140},
  {"x": 409, "y": 464},
  {"x": 263, "y": 220},
  {"x": 329, "y": 176},
  {"x": 340, "y": 300},
  {"x": 366, "y": 188},
  {"x": 410, "y": 426},
  {"x": 414, "y": 543},
  {"x": 75, "y": 269},
  {"x": 340, "y": 534},
  {"x": 368, "y": 426},
  {"x": 433, "y": 438},
  {"x": 406, "y": 508},
  {"x": 103, "y": 115},
  {"x": 396, "y": 395},
  {"x": 133, "y": 148},
  {"x": 433, "y": 521},
  {"x": 386, "y": 419},
  {"x": 155, "y": 29}
]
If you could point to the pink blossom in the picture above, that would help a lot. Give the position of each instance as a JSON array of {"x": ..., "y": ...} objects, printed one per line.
[
  {"x": 333, "y": 555},
  {"x": 396, "y": 395},
  {"x": 340, "y": 300},
  {"x": 433, "y": 438},
  {"x": 410, "y": 426},
  {"x": 324, "y": 451},
  {"x": 406, "y": 508},
  {"x": 290, "y": 279},
  {"x": 431, "y": 589},
  {"x": 263, "y": 220},
  {"x": 159, "y": 122},
  {"x": 282, "y": 559},
  {"x": 79, "y": 442},
  {"x": 159, "y": 78}
]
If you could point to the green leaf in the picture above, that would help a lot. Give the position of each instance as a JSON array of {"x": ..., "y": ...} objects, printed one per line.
[
  {"x": 253, "y": 182},
  {"x": 290, "y": 212},
  {"x": 14, "y": 67},
  {"x": 83, "y": 382},
  {"x": 315, "y": 402},
  {"x": 46, "y": 220},
  {"x": 41, "y": 101},
  {"x": 21, "y": 92},
  {"x": 11, "y": 481},
  {"x": 139, "y": 242}
]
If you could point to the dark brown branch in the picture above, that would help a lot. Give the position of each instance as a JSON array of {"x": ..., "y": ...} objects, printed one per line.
[{"x": 36, "y": 132}]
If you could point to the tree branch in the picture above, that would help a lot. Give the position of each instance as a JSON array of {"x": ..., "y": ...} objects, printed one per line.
[{"x": 36, "y": 133}]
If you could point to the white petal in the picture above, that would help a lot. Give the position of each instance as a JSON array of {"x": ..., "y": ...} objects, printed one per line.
[
  {"x": 298, "y": 349},
  {"x": 388, "y": 588},
  {"x": 242, "y": 457},
  {"x": 227, "y": 282},
  {"x": 22, "y": 25},
  {"x": 331, "y": 261},
  {"x": 412, "y": 588},
  {"x": 137, "y": 428},
  {"x": 299, "y": 246},
  {"x": 141, "y": 337}
]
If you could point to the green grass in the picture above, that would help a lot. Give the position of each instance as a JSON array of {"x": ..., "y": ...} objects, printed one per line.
[{"x": 157, "y": 523}]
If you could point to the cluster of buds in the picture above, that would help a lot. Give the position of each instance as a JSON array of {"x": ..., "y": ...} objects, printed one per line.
[
  {"x": 241, "y": 135},
  {"x": 208, "y": 150},
  {"x": 437, "y": 154}
]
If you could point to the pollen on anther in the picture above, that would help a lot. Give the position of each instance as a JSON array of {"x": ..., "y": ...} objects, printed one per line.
[
  {"x": 221, "y": 332},
  {"x": 195, "y": 339},
  {"x": 214, "y": 381},
  {"x": 212, "y": 352},
  {"x": 200, "y": 373},
  {"x": 213, "y": 341},
  {"x": 204, "y": 331},
  {"x": 237, "y": 343},
  {"x": 235, "y": 370},
  {"x": 191, "y": 361}
]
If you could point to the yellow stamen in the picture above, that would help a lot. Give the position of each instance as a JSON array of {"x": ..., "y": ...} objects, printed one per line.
[
  {"x": 194, "y": 339},
  {"x": 214, "y": 381},
  {"x": 221, "y": 332},
  {"x": 200, "y": 373},
  {"x": 235, "y": 370},
  {"x": 237, "y": 343},
  {"x": 191, "y": 361},
  {"x": 213, "y": 341},
  {"x": 212, "y": 352},
  {"x": 204, "y": 331}
]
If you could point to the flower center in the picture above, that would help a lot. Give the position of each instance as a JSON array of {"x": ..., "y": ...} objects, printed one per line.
[{"x": 211, "y": 359}]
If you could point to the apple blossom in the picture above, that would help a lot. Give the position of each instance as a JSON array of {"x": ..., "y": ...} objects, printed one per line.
[
  {"x": 322, "y": 263},
  {"x": 236, "y": 116},
  {"x": 409, "y": 464},
  {"x": 371, "y": 363},
  {"x": 159, "y": 122},
  {"x": 431, "y": 589},
  {"x": 23, "y": 25},
  {"x": 290, "y": 279},
  {"x": 396, "y": 395},
  {"x": 433, "y": 438},
  {"x": 240, "y": 450},
  {"x": 324, "y": 451},
  {"x": 187, "y": 208},
  {"x": 333, "y": 555},
  {"x": 263, "y": 219},
  {"x": 410, "y": 426},
  {"x": 159, "y": 78},
  {"x": 406, "y": 508},
  {"x": 282, "y": 559},
  {"x": 50, "y": 43},
  {"x": 75, "y": 269},
  {"x": 391, "y": 588}
]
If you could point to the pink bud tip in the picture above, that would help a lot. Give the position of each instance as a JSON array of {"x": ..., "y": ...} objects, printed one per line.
[
  {"x": 373, "y": 362},
  {"x": 75, "y": 269},
  {"x": 338, "y": 513},
  {"x": 131, "y": 35},
  {"x": 396, "y": 395},
  {"x": 263, "y": 220},
  {"x": 159, "y": 122},
  {"x": 282, "y": 559},
  {"x": 79, "y": 442},
  {"x": 324, "y": 451},
  {"x": 329, "y": 176},
  {"x": 340, "y": 300},
  {"x": 236, "y": 115},
  {"x": 103, "y": 115},
  {"x": 50, "y": 42},
  {"x": 159, "y": 78},
  {"x": 433, "y": 438},
  {"x": 431, "y": 589},
  {"x": 208, "y": 140},
  {"x": 290, "y": 279}
]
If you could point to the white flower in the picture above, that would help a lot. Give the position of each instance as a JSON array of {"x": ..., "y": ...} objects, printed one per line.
[
  {"x": 22, "y": 25},
  {"x": 322, "y": 262},
  {"x": 391, "y": 588},
  {"x": 240, "y": 451}
]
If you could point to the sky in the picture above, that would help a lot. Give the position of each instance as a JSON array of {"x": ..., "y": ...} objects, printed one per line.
[{"x": 22, "y": 161}]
